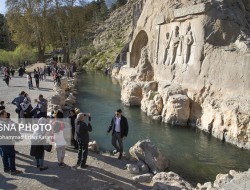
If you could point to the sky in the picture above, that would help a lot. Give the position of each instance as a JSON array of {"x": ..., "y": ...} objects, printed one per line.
[{"x": 2, "y": 7}]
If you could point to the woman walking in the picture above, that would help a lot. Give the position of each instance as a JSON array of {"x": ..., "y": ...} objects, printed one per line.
[
  {"x": 59, "y": 142},
  {"x": 7, "y": 77},
  {"x": 29, "y": 80}
]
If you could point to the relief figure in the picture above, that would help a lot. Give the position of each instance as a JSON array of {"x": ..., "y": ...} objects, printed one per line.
[
  {"x": 188, "y": 41},
  {"x": 166, "y": 45},
  {"x": 173, "y": 47}
]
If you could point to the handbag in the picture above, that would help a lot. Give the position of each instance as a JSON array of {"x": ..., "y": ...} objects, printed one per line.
[{"x": 47, "y": 147}]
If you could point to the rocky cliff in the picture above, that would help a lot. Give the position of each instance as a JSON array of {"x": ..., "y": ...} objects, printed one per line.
[
  {"x": 188, "y": 63},
  {"x": 112, "y": 37}
]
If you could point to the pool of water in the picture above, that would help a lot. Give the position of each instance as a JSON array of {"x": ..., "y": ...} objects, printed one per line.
[{"x": 193, "y": 154}]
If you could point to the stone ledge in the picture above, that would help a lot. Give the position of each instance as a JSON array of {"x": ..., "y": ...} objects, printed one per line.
[{"x": 191, "y": 10}]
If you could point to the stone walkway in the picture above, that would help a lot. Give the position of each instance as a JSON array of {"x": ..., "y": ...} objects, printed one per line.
[{"x": 104, "y": 171}]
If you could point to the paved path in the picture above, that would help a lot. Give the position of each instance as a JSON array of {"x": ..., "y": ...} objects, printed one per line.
[
  {"x": 104, "y": 172},
  {"x": 17, "y": 84}
]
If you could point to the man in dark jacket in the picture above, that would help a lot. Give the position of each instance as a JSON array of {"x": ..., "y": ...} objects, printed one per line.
[
  {"x": 17, "y": 101},
  {"x": 119, "y": 127},
  {"x": 7, "y": 147},
  {"x": 82, "y": 137}
]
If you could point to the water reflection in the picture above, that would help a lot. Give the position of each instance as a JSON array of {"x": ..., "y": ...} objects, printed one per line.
[{"x": 195, "y": 155}]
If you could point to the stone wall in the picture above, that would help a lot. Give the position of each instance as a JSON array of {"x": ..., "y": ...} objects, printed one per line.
[{"x": 199, "y": 56}]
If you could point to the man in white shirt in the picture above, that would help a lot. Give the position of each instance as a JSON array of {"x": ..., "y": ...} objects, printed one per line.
[{"x": 119, "y": 127}]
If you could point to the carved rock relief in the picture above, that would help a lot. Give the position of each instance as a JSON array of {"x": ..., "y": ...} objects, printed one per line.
[{"x": 176, "y": 44}]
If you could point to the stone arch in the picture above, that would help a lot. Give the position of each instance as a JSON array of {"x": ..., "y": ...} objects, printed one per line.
[{"x": 140, "y": 41}]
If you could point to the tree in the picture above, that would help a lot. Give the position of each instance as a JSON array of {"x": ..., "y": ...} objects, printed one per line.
[
  {"x": 5, "y": 42},
  {"x": 103, "y": 9},
  {"x": 28, "y": 21},
  {"x": 56, "y": 23}
]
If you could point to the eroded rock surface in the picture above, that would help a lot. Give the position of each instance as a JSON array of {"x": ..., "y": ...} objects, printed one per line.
[{"x": 197, "y": 54}]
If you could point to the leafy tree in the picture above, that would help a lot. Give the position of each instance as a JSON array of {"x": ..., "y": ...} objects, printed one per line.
[
  {"x": 53, "y": 23},
  {"x": 5, "y": 42},
  {"x": 28, "y": 21}
]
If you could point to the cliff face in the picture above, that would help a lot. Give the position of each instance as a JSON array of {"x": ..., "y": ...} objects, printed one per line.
[
  {"x": 112, "y": 37},
  {"x": 189, "y": 63}
]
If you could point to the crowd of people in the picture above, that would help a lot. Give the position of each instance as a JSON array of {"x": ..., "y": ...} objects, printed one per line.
[
  {"x": 79, "y": 133},
  {"x": 80, "y": 128},
  {"x": 40, "y": 73},
  {"x": 24, "y": 110}
]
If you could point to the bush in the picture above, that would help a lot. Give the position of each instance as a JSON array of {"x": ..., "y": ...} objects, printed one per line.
[{"x": 15, "y": 58}]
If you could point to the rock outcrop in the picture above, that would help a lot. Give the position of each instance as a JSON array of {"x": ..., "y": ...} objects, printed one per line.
[
  {"x": 169, "y": 181},
  {"x": 231, "y": 181},
  {"x": 112, "y": 37},
  {"x": 197, "y": 54},
  {"x": 147, "y": 152}
]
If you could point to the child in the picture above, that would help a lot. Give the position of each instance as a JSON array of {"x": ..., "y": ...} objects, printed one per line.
[{"x": 59, "y": 142}]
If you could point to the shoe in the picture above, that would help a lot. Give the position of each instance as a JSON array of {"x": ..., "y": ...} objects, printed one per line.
[
  {"x": 61, "y": 165},
  {"x": 7, "y": 171},
  {"x": 115, "y": 152},
  {"x": 77, "y": 165},
  {"x": 43, "y": 168},
  {"x": 120, "y": 156},
  {"x": 84, "y": 166},
  {"x": 16, "y": 172}
]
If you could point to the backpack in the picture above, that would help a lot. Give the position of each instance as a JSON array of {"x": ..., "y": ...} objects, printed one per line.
[{"x": 25, "y": 105}]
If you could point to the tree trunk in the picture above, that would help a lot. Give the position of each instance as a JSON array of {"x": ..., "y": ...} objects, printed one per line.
[
  {"x": 41, "y": 52},
  {"x": 65, "y": 55}
]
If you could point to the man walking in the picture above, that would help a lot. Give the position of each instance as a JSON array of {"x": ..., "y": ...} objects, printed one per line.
[{"x": 119, "y": 127}]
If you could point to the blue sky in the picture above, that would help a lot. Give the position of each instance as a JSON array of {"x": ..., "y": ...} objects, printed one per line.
[{"x": 2, "y": 7}]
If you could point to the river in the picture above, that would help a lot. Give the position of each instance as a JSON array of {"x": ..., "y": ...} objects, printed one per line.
[{"x": 193, "y": 154}]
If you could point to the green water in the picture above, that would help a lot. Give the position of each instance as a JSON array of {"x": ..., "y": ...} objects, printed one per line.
[{"x": 193, "y": 154}]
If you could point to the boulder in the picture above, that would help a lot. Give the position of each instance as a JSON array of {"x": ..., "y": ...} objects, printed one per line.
[
  {"x": 93, "y": 146},
  {"x": 59, "y": 90},
  {"x": 57, "y": 99},
  {"x": 64, "y": 83},
  {"x": 132, "y": 168},
  {"x": 169, "y": 181},
  {"x": 149, "y": 86},
  {"x": 144, "y": 178},
  {"x": 131, "y": 93},
  {"x": 231, "y": 181},
  {"x": 142, "y": 166},
  {"x": 71, "y": 99},
  {"x": 147, "y": 152},
  {"x": 177, "y": 110}
]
